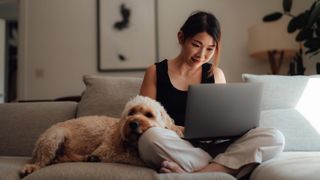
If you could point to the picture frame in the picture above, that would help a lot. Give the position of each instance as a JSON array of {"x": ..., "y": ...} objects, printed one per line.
[{"x": 126, "y": 34}]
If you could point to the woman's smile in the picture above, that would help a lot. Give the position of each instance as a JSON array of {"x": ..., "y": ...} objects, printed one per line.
[{"x": 196, "y": 60}]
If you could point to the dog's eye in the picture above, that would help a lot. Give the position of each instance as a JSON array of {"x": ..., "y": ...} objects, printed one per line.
[
  {"x": 131, "y": 112},
  {"x": 149, "y": 115}
]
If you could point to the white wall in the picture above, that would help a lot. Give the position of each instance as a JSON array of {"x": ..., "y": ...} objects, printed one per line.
[
  {"x": 235, "y": 18},
  {"x": 2, "y": 58},
  {"x": 58, "y": 40}
]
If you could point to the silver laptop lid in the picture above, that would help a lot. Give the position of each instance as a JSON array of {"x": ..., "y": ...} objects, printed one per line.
[{"x": 216, "y": 111}]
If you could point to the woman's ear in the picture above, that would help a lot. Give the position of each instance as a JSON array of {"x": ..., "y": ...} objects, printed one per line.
[{"x": 180, "y": 37}]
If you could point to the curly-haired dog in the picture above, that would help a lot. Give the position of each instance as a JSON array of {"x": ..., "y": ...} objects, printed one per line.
[{"x": 100, "y": 138}]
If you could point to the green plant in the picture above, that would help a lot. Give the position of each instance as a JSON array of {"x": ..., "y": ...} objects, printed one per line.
[{"x": 308, "y": 25}]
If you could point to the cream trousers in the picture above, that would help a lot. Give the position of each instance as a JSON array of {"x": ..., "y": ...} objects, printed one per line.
[{"x": 254, "y": 147}]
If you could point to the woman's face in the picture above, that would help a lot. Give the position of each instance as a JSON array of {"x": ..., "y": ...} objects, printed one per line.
[{"x": 198, "y": 49}]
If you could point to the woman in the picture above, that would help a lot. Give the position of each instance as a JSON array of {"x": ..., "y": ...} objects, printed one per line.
[{"x": 168, "y": 81}]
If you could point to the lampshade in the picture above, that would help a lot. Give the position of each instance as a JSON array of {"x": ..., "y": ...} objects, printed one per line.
[{"x": 271, "y": 36}]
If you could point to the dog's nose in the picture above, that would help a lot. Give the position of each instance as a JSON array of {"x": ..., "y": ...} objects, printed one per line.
[{"x": 134, "y": 125}]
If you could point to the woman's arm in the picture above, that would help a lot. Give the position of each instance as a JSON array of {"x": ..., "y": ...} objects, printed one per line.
[
  {"x": 149, "y": 87},
  {"x": 219, "y": 76}
]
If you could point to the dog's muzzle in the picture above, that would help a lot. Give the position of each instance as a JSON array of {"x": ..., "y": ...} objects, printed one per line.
[
  {"x": 135, "y": 130},
  {"x": 134, "y": 125}
]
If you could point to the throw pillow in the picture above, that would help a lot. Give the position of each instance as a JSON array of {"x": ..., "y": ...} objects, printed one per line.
[
  {"x": 290, "y": 104},
  {"x": 280, "y": 92},
  {"x": 107, "y": 95}
]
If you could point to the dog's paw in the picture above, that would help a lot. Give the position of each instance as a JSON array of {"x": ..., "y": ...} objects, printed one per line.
[
  {"x": 93, "y": 158},
  {"x": 28, "y": 169}
]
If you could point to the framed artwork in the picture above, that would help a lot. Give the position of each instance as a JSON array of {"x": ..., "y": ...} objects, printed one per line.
[{"x": 127, "y": 37}]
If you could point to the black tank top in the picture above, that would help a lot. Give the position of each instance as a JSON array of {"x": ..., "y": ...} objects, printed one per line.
[{"x": 172, "y": 99}]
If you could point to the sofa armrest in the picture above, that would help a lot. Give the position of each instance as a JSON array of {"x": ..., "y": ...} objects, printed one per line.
[{"x": 22, "y": 123}]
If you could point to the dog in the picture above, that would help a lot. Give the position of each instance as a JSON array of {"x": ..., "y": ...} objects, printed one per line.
[{"x": 100, "y": 138}]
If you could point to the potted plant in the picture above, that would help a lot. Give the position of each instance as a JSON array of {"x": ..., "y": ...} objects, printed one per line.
[{"x": 308, "y": 25}]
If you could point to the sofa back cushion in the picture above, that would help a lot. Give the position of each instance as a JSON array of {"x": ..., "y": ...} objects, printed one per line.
[
  {"x": 280, "y": 92},
  {"x": 291, "y": 104},
  {"x": 107, "y": 95},
  {"x": 301, "y": 133},
  {"x": 22, "y": 123}
]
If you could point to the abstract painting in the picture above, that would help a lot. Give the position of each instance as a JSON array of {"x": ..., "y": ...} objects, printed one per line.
[{"x": 126, "y": 34}]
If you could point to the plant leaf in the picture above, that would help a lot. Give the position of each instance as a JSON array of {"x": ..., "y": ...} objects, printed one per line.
[
  {"x": 311, "y": 50},
  {"x": 314, "y": 14},
  {"x": 302, "y": 19},
  {"x": 298, "y": 22},
  {"x": 313, "y": 5},
  {"x": 292, "y": 25},
  {"x": 304, "y": 34},
  {"x": 272, "y": 17},
  {"x": 286, "y": 5},
  {"x": 318, "y": 31},
  {"x": 314, "y": 53},
  {"x": 312, "y": 43},
  {"x": 318, "y": 28}
]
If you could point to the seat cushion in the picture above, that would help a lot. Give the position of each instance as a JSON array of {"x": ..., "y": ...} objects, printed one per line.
[
  {"x": 193, "y": 176},
  {"x": 107, "y": 95},
  {"x": 86, "y": 171},
  {"x": 289, "y": 166},
  {"x": 10, "y": 166}
]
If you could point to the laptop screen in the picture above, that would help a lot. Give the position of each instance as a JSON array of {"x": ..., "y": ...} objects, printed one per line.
[{"x": 217, "y": 111}]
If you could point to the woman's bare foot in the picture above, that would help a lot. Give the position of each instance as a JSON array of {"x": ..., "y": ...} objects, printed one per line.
[{"x": 170, "y": 167}]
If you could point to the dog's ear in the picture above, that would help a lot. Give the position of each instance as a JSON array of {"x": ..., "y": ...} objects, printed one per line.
[{"x": 169, "y": 123}]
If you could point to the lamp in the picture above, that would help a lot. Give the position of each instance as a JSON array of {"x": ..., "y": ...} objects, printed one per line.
[{"x": 271, "y": 41}]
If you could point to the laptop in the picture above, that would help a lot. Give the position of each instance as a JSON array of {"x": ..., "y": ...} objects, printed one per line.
[{"x": 222, "y": 111}]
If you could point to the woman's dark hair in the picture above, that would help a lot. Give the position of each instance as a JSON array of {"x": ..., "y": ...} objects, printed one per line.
[{"x": 199, "y": 22}]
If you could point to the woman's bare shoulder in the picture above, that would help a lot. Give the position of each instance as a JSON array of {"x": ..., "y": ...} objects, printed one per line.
[
  {"x": 151, "y": 70},
  {"x": 148, "y": 87},
  {"x": 219, "y": 75}
]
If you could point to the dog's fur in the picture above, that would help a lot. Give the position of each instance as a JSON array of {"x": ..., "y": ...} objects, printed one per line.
[{"x": 100, "y": 138}]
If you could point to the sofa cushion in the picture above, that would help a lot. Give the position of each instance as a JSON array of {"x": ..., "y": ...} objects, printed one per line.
[
  {"x": 86, "y": 170},
  {"x": 280, "y": 91},
  {"x": 290, "y": 104},
  {"x": 107, "y": 95},
  {"x": 10, "y": 166},
  {"x": 300, "y": 134},
  {"x": 22, "y": 123},
  {"x": 289, "y": 166},
  {"x": 193, "y": 176}
]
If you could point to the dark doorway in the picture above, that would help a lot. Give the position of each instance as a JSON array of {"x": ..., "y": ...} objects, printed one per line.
[{"x": 11, "y": 60}]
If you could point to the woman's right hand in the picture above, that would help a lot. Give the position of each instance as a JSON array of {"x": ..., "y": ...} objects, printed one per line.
[{"x": 181, "y": 128}]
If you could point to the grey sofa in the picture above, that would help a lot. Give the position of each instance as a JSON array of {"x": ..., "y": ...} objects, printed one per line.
[{"x": 22, "y": 123}]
